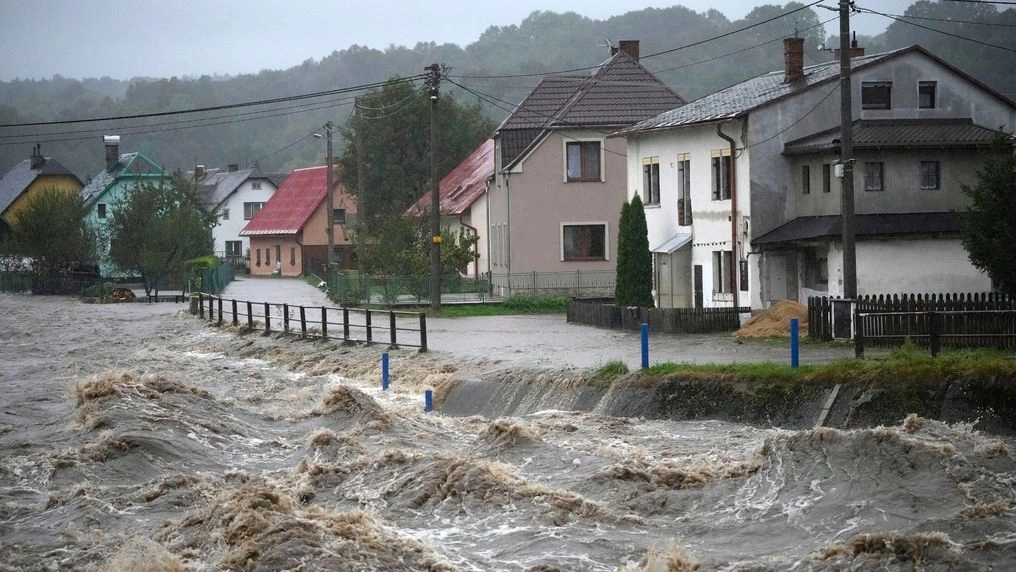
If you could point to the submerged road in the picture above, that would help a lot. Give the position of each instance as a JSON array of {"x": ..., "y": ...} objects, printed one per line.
[{"x": 548, "y": 341}]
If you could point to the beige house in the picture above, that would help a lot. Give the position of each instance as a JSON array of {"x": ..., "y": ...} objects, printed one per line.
[{"x": 559, "y": 182}]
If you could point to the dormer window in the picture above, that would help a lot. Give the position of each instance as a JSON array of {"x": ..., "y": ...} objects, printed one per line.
[
  {"x": 876, "y": 95},
  {"x": 926, "y": 94}
]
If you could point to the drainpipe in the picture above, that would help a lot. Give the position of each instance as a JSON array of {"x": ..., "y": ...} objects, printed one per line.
[
  {"x": 476, "y": 246},
  {"x": 734, "y": 262}
]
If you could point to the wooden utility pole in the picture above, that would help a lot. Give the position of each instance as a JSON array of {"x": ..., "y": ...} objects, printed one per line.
[
  {"x": 435, "y": 194},
  {"x": 361, "y": 196},
  {"x": 330, "y": 218},
  {"x": 846, "y": 158}
]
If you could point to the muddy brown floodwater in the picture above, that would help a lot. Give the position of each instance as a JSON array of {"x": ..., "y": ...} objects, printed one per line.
[{"x": 135, "y": 436}]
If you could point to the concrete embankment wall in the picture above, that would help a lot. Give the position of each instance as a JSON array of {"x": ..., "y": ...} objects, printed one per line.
[{"x": 788, "y": 405}]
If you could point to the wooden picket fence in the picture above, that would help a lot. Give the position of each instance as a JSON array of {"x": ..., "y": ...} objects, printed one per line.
[{"x": 660, "y": 320}]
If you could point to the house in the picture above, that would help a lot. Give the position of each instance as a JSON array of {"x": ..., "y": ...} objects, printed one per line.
[
  {"x": 122, "y": 174},
  {"x": 30, "y": 177},
  {"x": 234, "y": 195},
  {"x": 559, "y": 183},
  {"x": 463, "y": 202},
  {"x": 289, "y": 234},
  {"x": 743, "y": 199}
]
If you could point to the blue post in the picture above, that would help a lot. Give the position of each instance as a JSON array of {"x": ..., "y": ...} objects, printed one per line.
[
  {"x": 645, "y": 346},
  {"x": 795, "y": 342},
  {"x": 428, "y": 401},
  {"x": 384, "y": 371}
]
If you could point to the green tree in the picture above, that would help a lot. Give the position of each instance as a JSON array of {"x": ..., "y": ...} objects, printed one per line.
[
  {"x": 622, "y": 280},
  {"x": 52, "y": 232},
  {"x": 989, "y": 223},
  {"x": 156, "y": 229},
  {"x": 401, "y": 246},
  {"x": 394, "y": 131},
  {"x": 634, "y": 282}
]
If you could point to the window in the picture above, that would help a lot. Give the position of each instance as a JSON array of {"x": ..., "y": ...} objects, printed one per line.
[
  {"x": 651, "y": 180},
  {"x": 721, "y": 271},
  {"x": 584, "y": 241},
  {"x": 827, "y": 177},
  {"x": 876, "y": 95},
  {"x": 268, "y": 257},
  {"x": 929, "y": 175},
  {"x": 338, "y": 255},
  {"x": 684, "y": 189},
  {"x": 873, "y": 177},
  {"x": 806, "y": 179},
  {"x": 816, "y": 270},
  {"x": 251, "y": 210},
  {"x": 292, "y": 256},
  {"x": 926, "y": 94},
  {"x": 101, "y": 210},
  {"x": 225, "y": 214},
  {"x": 338, "y": 216},
  {"x": 278, "y": 254},
  {"x": 256, "y": 185},
  {"x": 583, "y": 160},
  {"x": 257, "y": 251},
  {"x": 721, "y": 175},
  {"x": 233, "y": 247}
]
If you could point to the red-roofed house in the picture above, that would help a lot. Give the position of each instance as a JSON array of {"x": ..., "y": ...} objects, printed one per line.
[
  {"x": 463, "y": 195},
  {"x": 289, "y": 233}
]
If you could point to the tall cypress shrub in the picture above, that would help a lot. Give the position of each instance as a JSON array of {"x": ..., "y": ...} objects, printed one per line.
[
  {"x": 622, "y": 289},
  {"x": 640, "y": 261}
]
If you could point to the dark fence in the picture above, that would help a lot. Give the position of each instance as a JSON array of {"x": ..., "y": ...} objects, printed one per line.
[
  {"x": 660, "y": 320},
  {"x": 15, "y": 282},
  {"x": 349, "y": 325},
  {"x": 580, "y": 283},
  {"x": 215, "y": 280},
  {"x": 935, "y": 330},
  {"x": 354, "y": 288}
]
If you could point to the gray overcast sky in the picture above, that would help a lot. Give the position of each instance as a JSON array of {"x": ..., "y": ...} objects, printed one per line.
[{"x": 163, "y": 38}]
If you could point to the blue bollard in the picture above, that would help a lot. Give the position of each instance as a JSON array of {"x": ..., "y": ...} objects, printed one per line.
[
  {"x": 645, "y": 346},
  {"x": 428, "y": 401},
  {"x": 795, "y": 342},
  {"x": 384, "y": 371}
]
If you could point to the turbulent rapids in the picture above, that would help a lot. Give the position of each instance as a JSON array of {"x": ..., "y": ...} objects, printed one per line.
[{"x": 137, "y": 437}]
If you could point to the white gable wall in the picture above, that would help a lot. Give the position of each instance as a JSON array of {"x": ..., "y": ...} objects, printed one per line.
[{"x": 229, "y": 229}]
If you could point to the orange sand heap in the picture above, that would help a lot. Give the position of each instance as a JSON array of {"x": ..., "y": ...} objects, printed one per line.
[{"x": 775, "y": 321}]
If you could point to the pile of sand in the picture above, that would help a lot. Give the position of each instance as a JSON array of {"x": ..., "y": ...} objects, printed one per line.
[{"x": 775, "y": 321}]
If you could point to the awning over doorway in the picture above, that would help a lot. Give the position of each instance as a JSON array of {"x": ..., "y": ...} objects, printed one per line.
[{"x": 673, "y": 243}]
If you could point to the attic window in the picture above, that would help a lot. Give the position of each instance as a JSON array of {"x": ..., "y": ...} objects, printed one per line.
[
  {"x": 877, "y": 95},
  {"x": 926, "y": 94},
  {"x": 101, "y": 210},
  {"x": 255, "y": 185}
]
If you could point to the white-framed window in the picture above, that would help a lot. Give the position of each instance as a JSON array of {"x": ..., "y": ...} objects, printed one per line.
[
  {"x": 583, "y": 161},
  {"x": 722, "y": 260},
  {"x": 684, "y": 189},
  {"x": 338, "y": 216},
  {"x": 721, "y": 174},
  {"x": 234, "y": 247},
  {"x": 651, "y": 180},
  {"x": 876, "y": 95},
  {"x": 225, "y": 214},
  {"x": 584, "y": 241},
  {"x": 256, "y": 185},
  {"x": 250, "y": 210},
  {"x": 874, "y": 176},
  {"x": 930, "y": 175}
]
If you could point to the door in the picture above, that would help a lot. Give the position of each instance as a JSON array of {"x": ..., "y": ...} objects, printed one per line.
[
  {"x": 698, "y": 286},
  {"x": 777, "y": 277}
]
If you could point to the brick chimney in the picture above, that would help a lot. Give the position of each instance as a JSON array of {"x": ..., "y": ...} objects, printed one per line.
[
  {"x": 855, "y": 52},
  {"x": 112, "y": 143},
  {"x": 37, "y": 159},
  {"x": 793, "y": 59},
  {"x": 630, "y": 47}
]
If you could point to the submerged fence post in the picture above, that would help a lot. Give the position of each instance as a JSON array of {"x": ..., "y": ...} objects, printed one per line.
[
  {"x": 423, "y": 332},
  {"x": 345, "y": 324},
  {"x": 268, "y": 318},
  {"x": 235, "y": 320},
  {"x": 384, "y": 371},
  {"x": 858, "y": 336},
  {"x": 428, "y": 401},
  {"x": 645, "y": 346},
  {"x": 303, "y": 322},
  {"x": 219, "y": 304},
  {"x": 392, "y": 328},
  {"x": 934, "y": 333},
  {"x": 324, "y": 323},
  {"x": 250, "y": 315},
  {"x": 370, "y": 334},
  {"x": 795, "y": 342},
  {"x": 285, "y": 318}
]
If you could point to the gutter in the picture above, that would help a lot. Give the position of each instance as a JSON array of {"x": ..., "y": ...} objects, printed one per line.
[{"x": 734, "y": 263}]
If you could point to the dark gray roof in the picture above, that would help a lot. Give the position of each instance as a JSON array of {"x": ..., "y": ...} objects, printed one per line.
[
  {"x": 870, "y": 225},
  {"x": 129, "y": 164},
  {"x": 897, "y": 133},
  {"x": 22, "y": 175},
  {"x": 748, "y": 95},
  {"x": 619, "y": 92},
  {"x": 218, "y": 185}
]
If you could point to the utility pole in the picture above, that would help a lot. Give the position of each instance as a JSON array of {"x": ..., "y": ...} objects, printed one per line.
[
  {"x": 846, "y": 158},
  {"x": 330, "y": 218},
  {"x": 435, "y": 200},
  {"x": 361, "y": 196}
]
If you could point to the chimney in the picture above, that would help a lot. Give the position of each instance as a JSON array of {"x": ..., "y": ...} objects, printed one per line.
[
  {"x": 793, "y": 59},
  {"x": 112, "y": 143},
  {"x": 855, "y": 52},
  {"x": 37, "y": 159},
  {"x": 199, "y": 171},
  {"x": 233, "y": 167},
  {"x": 630, "y": 47}
]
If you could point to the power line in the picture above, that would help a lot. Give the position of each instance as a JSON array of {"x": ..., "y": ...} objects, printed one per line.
[
  {"x": 221, "y": 107},
  {"x": 982, "y": 2},
  {"x": 958, "y": 36},
  {"x": 281, "y": 149},
  {"x": 799, "y": 119},
  {"x": 949, "y": 20}
]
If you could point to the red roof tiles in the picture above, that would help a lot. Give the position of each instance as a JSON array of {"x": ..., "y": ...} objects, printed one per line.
[
  {"x": 290, "y": 207},
  {"x": 463, "y": 185}
]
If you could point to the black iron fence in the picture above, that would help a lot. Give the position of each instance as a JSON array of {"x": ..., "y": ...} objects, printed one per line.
[
  {"x": 349, "y": 325},
  {"x": 660, "y": 320}
]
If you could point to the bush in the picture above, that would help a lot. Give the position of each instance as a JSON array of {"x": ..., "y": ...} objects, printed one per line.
[{"x": 532, "y": 303}]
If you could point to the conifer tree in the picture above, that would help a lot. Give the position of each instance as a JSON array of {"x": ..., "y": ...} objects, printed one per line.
[
  {"x": 640, "y": 261},
  {"x": 622, "y": 290}
]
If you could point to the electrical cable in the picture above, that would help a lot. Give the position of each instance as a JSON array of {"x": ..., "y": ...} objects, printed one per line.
[{"x": 958, "y": 36}]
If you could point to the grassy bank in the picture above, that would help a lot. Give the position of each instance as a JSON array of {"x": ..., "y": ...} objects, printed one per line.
[{"x": 512, "y": 306}]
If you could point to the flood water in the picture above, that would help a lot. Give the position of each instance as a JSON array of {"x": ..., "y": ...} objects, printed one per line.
[{"x": 137, "y": 437}]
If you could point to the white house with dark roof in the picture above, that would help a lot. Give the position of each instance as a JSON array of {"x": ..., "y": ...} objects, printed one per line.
[
  {"x": 765, "y": 226},
  {"x": 234, "y": 195},
  {"x": 559, "y": 182}
]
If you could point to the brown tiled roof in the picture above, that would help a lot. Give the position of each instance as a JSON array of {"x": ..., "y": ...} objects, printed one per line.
[
  {"x": 619, "y": 92},
  {"x": 897, "y": 133}
]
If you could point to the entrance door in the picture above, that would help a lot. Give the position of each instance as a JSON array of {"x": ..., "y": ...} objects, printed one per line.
[
  {"x": 698, "y": 286},
  {"x": 777, "y": 278}
]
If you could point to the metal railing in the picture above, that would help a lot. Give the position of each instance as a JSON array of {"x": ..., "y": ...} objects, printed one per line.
[{"x": 580, "y": 283}]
